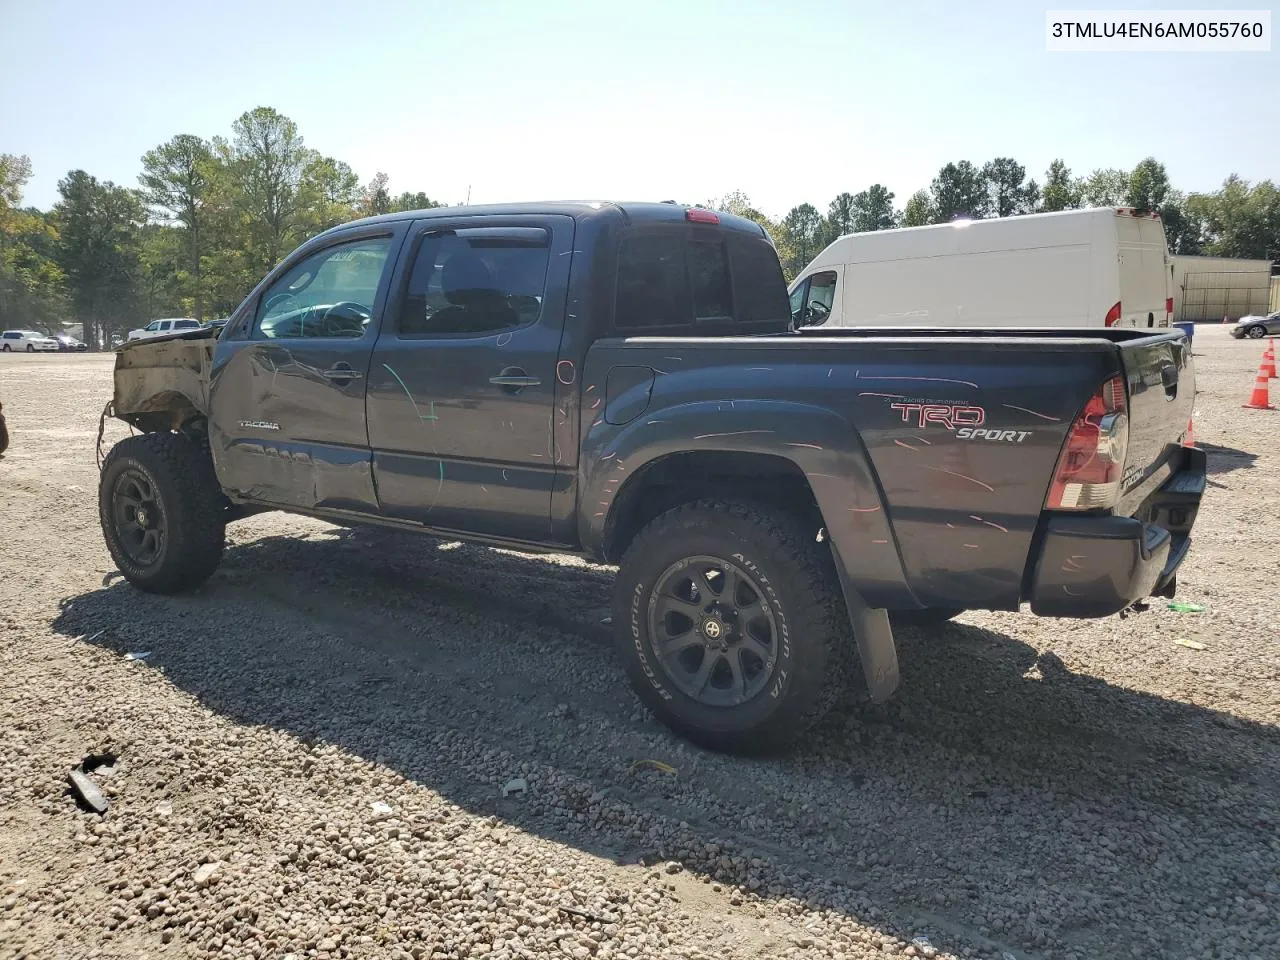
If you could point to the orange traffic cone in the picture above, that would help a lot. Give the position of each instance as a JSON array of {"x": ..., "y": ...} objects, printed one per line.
[
  {"x": 1190, "y": 439},
  {"x": 1269, "y": 362},
  {"x": 1259, "y": 400}
]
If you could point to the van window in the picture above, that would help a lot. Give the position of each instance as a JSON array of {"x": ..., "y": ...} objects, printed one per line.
[{"x": 811, "y": 301}]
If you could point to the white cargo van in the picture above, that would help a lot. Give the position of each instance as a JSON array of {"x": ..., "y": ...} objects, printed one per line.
[{"x": 1105, "y": 266}]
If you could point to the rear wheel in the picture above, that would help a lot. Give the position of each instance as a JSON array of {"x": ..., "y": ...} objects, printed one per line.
[
  {"x": 1257, "y": 332},
  {"x": 162, "y": 513},
  {"x": 7, "y": 348},
  {"x": 730, "y": 625}
]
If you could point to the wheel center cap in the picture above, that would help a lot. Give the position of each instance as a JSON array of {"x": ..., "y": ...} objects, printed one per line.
[{"x": 142, "y": 517}]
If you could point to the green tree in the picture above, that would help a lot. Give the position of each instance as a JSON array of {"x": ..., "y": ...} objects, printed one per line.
[
  {"x": 959, "y": 190},
  {"x": 268, "y": 158},
  {"x": 99, "y": 250},
  {"x": 919, "y": 210},
  {"x": 1148, "y": 186},
  {"x": 1060, "y": 191},
  {"x": 1103, "y": 188},
  {"x": 330, "y": 194},
  {"x": 31, "y": 283},
  {"x": 803, "y": 230},
  {"x": 1183, "y": 224},
  {"x": 840, "y": 216},
  {"x": 413, "y": 201},
  {"x": 1242, "y": 219},
  {"x": 376, "y": 200},
  {"x": 176, "y": 180},
  {"x": 1009, "y": 193},
  {"x": 872, "y": 209}
]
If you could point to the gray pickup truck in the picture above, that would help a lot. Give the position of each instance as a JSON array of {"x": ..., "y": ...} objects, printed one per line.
[{"x": 625, "y": 382}]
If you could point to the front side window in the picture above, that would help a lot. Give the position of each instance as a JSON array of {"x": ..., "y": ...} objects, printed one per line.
[
  {"x": 797, "y": 301},
  {"x": 329, "y": 294},
  {"x": 474, "y": 281},
  {"x": 153, "y": 325}
]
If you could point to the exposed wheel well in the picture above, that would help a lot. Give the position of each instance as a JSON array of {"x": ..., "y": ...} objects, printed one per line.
[
  {"x": 686, "y": 477},
  {"x": 165, "y": 411}
]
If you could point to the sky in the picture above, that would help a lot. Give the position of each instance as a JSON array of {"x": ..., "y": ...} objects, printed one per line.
[{"x": 790, "y": 101}]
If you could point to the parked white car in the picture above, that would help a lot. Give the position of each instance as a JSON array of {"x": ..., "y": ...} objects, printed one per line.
[
  {"x": 1102, "y": 267},
  {"x": 27, "y": 340},
  {"x": 160, "y": 328}
]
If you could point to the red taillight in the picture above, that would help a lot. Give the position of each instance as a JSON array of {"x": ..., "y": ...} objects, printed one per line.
[
  {"x": 698, "y": 215},
  {"x": 1091, "y": 465},
  {"x": 1168, "y": 307},
  {"x": 1113, "y": 315}
]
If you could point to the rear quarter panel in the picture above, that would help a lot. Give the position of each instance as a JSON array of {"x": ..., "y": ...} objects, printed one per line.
[{"x": 920, "y": 511}]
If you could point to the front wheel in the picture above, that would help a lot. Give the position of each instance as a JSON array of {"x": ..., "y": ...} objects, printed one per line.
[
  {"x": 30, "y": 348},
  {"x": 7, "y": 348},
  {"x": 730, "y": 625},
  {"x": 162, "y": 513},
  {"x": 1257, "y": 332}
]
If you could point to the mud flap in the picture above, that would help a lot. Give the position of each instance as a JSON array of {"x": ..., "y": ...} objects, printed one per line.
[{"x": 874, "y": 636}]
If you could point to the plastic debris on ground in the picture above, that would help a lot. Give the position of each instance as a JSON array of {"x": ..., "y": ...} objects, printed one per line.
[
  {"x": 518, "y": 786},
  {"x": 1182, "y": 606},
  {"x": 381, "y": 810},
  {"x": 653, "y": 765},
  {"x": 1190, "y": 644},
  {"x": 140, "y": 655},
  {"x": 87, "y": 791}
]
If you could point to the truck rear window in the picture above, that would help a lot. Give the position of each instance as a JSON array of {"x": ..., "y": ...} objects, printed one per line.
[{"x": 672, "y": 279}]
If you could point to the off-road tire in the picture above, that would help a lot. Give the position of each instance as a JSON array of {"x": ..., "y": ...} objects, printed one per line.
[
  {"x": 816, "y": 656},
  {"x": 929, "y": 617},
  {"x": 189, "y": 500}
]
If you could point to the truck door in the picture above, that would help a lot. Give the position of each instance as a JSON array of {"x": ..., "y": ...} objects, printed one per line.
[
  {"x": 287, "y": 387},
  {"x": 462, "y": 383}
]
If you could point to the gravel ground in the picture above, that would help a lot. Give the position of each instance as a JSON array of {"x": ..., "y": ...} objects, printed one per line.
[{"x": 310, "y": 763}]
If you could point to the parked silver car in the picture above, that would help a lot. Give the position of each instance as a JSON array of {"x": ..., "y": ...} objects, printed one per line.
[{"x": 1257, "y": 327}]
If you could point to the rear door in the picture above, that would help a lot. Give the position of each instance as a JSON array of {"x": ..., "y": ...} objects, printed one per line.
[
  {"x": 1144, "y": 285},
  {"x": 287, "y": 388},
  {"x": 463, "y": 379}
]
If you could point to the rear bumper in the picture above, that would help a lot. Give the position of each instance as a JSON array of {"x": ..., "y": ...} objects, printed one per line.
[{"x": 1094, "y": 566}]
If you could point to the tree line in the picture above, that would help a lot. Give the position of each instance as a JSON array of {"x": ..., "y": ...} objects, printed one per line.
[
  {"x": 1238, "y": 220},
  {"x": 210, "y": 217},
  {"x": 207, "y": 220}
]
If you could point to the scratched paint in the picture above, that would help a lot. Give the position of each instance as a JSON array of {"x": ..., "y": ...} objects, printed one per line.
[
  {"x": 810, "y": 446},
  {"x": 1042, "y": 416},
  {"x": 412, "y": 402},
  {"x": 985, "y": 486},
  {"x": 864, "y": 509},
  {"x": 565, "y": 372},
  {"x": 879, "y": 541},
  {"x": 596, "y": 404},
  {"x": 907, "y": 446},
  {"x": 857, "y": 375},
  {"x": 890, "y": 396},
  {"x": 989, "y": 523},
  {"x": 735, "y": 433},
  {"x": 504, "y": 339},
  {"x": 610, "y": 455},
  {"x": 589, "y": 389},
  {"x": 676, "y": 359},
  {"x": 972, "y": 546}
]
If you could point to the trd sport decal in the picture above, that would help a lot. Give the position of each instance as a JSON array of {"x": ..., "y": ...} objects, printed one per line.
[
  {"x": 964, "y": 421},
  {"x": 940, "y": 414}
]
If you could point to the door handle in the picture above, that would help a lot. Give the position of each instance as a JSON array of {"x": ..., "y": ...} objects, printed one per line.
[
  {"x": 341, "y": 371},
  {"x": 514, "y": 379}
]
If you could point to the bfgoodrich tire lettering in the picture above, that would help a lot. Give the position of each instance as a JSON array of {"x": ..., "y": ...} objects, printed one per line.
[
  {"x": 162, "y": 513},
  {"x": 810, "y": 656}
]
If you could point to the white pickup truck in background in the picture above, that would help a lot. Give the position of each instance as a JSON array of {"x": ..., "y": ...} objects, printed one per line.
[{"x": 158, "y": 328}]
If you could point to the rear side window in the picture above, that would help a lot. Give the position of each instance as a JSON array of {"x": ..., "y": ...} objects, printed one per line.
[
  {"x": 759, "y": 289},
  {"x": 474, "y": 281},
  {"x": 671, "y": 279},
  {"x": 653, "y": 282},
  {"x": 186, "y": 324}
]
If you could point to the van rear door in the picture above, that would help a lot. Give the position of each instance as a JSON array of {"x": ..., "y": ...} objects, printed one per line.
[{"x": 1144, "y": 265}]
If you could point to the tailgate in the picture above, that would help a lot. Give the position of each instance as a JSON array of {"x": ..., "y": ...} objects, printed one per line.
[{"x": 1162, "y": 397}]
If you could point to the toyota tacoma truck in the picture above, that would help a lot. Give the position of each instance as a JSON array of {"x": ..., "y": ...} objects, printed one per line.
[{"x": 624, "y": 382}]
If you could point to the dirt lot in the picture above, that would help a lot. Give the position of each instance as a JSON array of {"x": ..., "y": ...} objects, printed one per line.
[{"x": 1038, "y": 788}]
